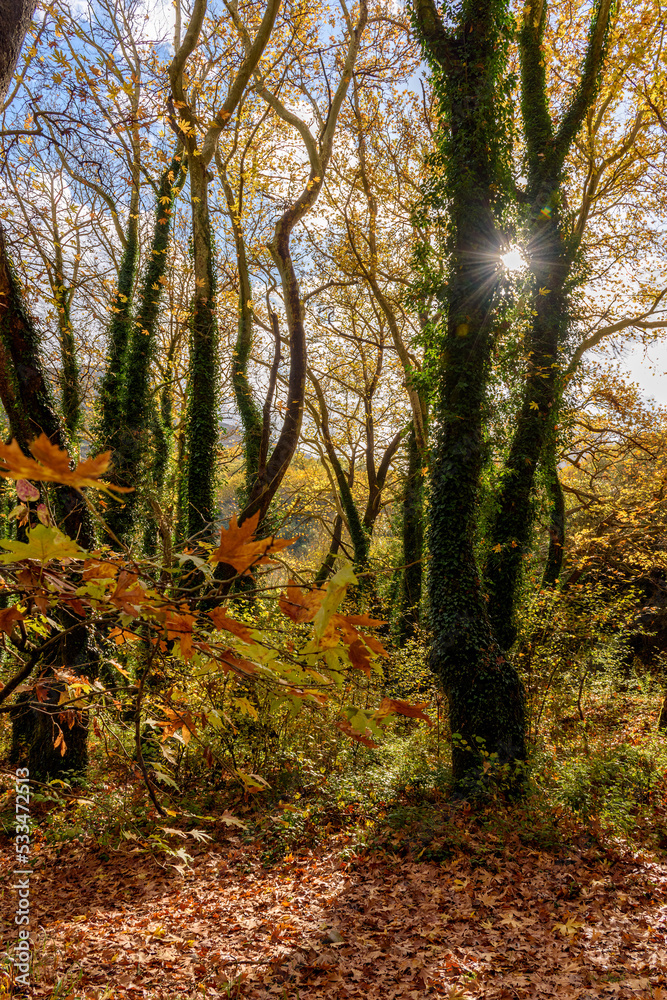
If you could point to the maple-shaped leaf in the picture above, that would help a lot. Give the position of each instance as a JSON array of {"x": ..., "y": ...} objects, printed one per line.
[
  {"x": 359, "y": 657},
  {"x": 301, "y": 606},
  {"x": 122, "y": 635},
  {"x": 99, "y": 569},
  {"x": 238, "y": 547},
  {"x": 391, "y": 706},
  {"x": 345, "y": 625},
  {"x": 8, "y": 619},
  {"x": 128, "y": 595},
  {"x": 51, "y": 464},
  {"x": 179, "y": 625},
  {"x": 335, "y": 592},
  {"x": 222, "y": 620},
  {"x": 182, "y": 720},
  {"x": 44, "y": 543}
]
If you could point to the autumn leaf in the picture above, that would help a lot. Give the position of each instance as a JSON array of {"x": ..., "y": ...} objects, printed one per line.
[
  {"x": 128, "y": 595},
  {"x": 44, "y": 543},
  {"x": 99, "y": 569},
  {"x": 238, "y": 547},
  {"x": 8, "y": 619},
  {"x": 51, "y": 464},
  {"x": 349, "y": 730},
  {"x": 301, "y": 606},
  {"x": 222, "y": 621},
  {"x": 122, "y": 635},
  {"x": 25, "y": 491},
  {"x": 179, "y": 625},
  {"x": 390, "y": 706}
]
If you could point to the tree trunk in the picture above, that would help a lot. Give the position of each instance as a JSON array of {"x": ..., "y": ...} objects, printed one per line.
[
  {"x": 15, "y": 18},
  {"x": 413, "y": 544},
  {"x": 485, "y": 694},
  {"x": 201, "y": 435},
  {"x": 554, "y": 561},
  {"x": 135, "y": 410}
]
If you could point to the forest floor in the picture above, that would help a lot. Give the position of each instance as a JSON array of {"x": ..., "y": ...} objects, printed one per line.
[
  {"x": 401, "y": 895},
  {"x": 514, "y": 922}
]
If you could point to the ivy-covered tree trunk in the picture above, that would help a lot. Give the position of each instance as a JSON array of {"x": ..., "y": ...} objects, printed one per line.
[
  {"x": 109, "y": 430},
  {"x": 250, "y": 413},
  {"x": 485, "y": 694},
  {"x": 136, "y": 412},
  {"x": 551, "y": 249},
  {"x": 556, "y": 498},
  {"x": 28, "y": 403},
  {"x": 201, "y": 434},
  {"x": 70, "y": 383},
  {"x": 326, "y": 569},
  {"x": 410, "y": 595}
]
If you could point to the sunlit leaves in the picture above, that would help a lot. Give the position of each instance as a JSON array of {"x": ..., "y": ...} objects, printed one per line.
[
  {"x": 52, "y": 464},
  {"x": 239, "y": 548}
]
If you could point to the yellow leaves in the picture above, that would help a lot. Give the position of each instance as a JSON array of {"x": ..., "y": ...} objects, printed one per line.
[
  {"x": 199, "y": 282},
  {"x": 51, "y": 464},
  {"x": 44, "y": 544},
  {"x": 544, "y": 291},
  {"x": 570, "y": 927},
  {"x": 238, "y": 547},
  {"x": 534, "y": 405},
  {"x": 497, "y": 548}
]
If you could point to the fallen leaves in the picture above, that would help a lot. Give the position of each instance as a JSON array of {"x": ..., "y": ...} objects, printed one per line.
[{"x": 382, "y": 927}]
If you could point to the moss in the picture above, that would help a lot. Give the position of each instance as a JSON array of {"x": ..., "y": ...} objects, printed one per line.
[
  {"x": 138, "y": 430},
  {"x": 470, "y": 188}
]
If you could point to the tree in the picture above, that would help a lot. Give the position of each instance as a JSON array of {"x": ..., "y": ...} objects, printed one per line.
[{"x": 471, "y": 171}]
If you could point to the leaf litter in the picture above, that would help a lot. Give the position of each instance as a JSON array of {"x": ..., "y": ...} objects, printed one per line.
[{"x": 525, "y": 923}]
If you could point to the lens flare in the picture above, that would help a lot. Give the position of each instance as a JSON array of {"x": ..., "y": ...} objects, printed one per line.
[{"x": 513, "y": 260}]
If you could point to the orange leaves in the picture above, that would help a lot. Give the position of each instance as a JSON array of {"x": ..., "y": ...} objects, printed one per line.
[
  {"x": 177, "y": 718},
  {"x": 390, "y": 706},
  {"x": 238, "y": 547},
  {"x": 349, "y": 730},
  {"x": 8, "y": 619},
  {"x": 298, "y": 605},
  {"x": 122, "y": 635},
  {"x": 222, "y": 621},
  {"x": 128, "y": 595},
  {"x": 51, "y": 464},
  {"x": 179, "y": 625}
]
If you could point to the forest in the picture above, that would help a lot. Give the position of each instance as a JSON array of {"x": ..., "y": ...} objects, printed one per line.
[{"x": 333, "y": 522}]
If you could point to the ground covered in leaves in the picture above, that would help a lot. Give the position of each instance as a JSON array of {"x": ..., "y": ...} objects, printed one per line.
[{"x": 488, "y": 920}]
